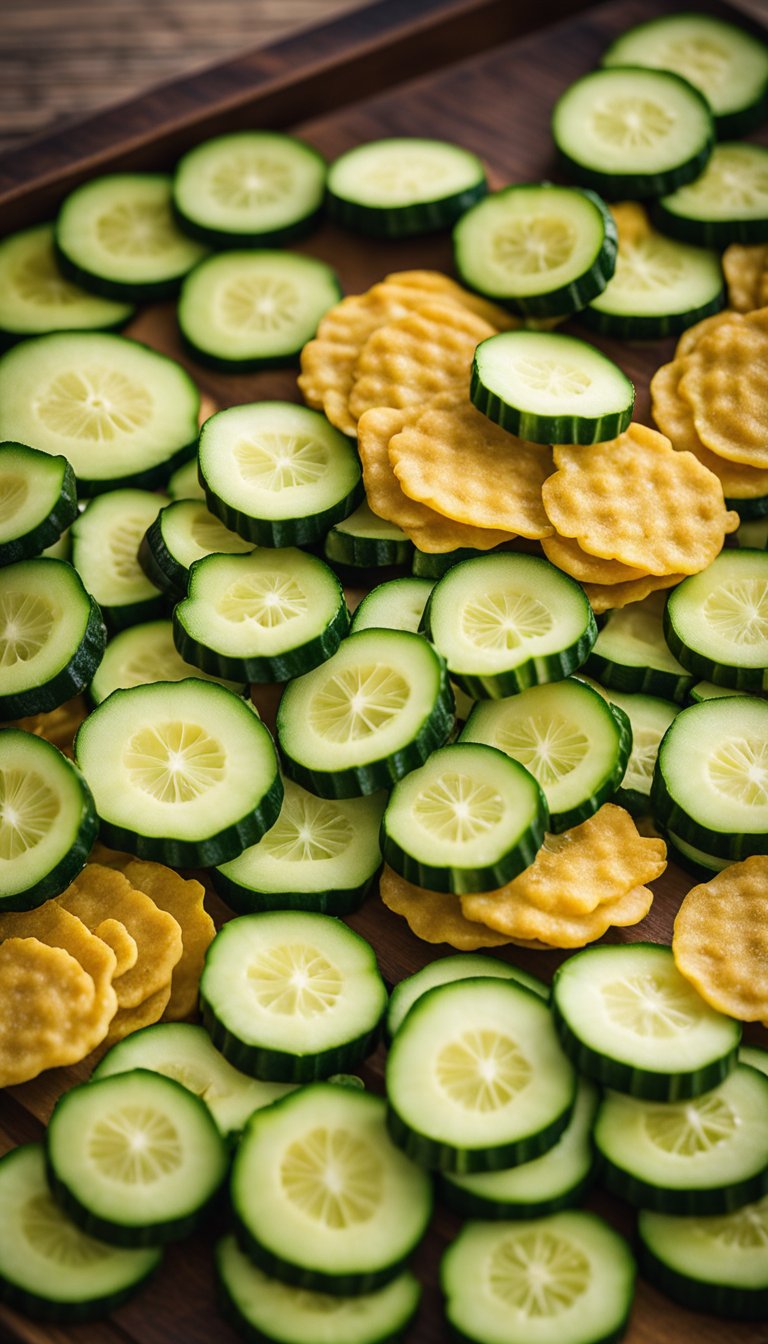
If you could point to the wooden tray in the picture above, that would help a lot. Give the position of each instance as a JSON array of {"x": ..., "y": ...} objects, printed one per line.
[{"x": 463, "y": 70}]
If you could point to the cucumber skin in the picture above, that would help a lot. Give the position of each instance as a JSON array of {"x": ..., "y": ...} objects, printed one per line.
[
  {"x": 689, "y": 1203},
  {"x": 437, "y": 1155},
  {"x": 303, "y": 531},
  {"x": 688, "y": 864},
  {"x": 748, "y": 509},
  {"x": 644, "y": 680},
  {"x": 634, "y": 327},
  {"x": 546, "y": 428},
  {"x": 717, "y": 1299},
  {"x": 717, "y": 233},
  {"x": 433, "y": 565},
  {"x": 281, "y": 1066},
  {"x": 160, "y": 567},
  {"x": 229, "y": 239},
  {"x": 49, "y": 529},
  {"x": 71, "y": 1313},
  {"x": 149, "y": 479},
  {"x": 70, "y": 680},
  {"x": 314, "y": 1280},
  {"x": 150, "y": 292},
  {"x": 532, "y": 672},
  {"x": 706, "y": 669},
  {"x": 341, "y": 548},
  {"x": 73, "y": 862},
  {"x": 403, "y": 221},
  {"x": 247, "y": 901},
  {"x": 117, "y": 1235},
  {"x": 457, "y": 880},
  {"x": 669, "y": 815},
  {"x": 468, "y": 1204}
]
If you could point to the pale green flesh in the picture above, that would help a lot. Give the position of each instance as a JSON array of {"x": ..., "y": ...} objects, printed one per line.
[
  {"x": 30, "y": 487},
  {"x": 41, "y": 810},
  {"x": 105, "y": 544},
  {"x": 365, "y": 523},
  {"x": 121, "y": 227},
  {"x": 730, "y": 1248},
  {"x": 35, "y": 297},
  {"x": 753, "y": 534},
  {"x": 43, "y": 617},
  {"x": 656, "y": 275},
  {"x": 715, "y": 764},
  {"x": 755, "y": 1055},
  {"x": 633, "y": 637},
  {"x": 184, "y": 484},
  {"x": 402, "y": 172},
  {"x": 722, "y": 612},
  {"x": 447, "y": 969},
  {"x": 190, "y": 531},
  {"x": 249, "y": 182},
  {"x": 142, "y": 654},
  {"x": 734, "y": 185},
  {"x": 396, "y": 605},
  {"x": 650, "y": 717},
  {"x": 543, "y": 373}
]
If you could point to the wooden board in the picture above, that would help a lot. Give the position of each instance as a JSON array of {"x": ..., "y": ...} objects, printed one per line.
[{"x": 459, "y": 69}]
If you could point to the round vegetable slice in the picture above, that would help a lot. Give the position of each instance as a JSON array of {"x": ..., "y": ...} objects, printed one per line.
[
  {"x": 715, "y": 1264},
  {"x": 398, "y": 187},
  {"x": 38, "y": 501},
  {"x": 447, "y": 969},
  {"x": 727, "y": 203},
  {"x": 36, "y": 299},
  {"x": 716, "y": 622}
]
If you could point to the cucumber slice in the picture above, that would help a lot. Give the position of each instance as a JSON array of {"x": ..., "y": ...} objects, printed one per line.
[
  {"x": 706, "y": 690},
  {"x": 322, "y": 854},
  {"x": 364, "y": 539},
  {"x": 727, "y": 204},
  {"x": 36, "y": 299},
  {"x": 469, "y": 819},
  {"x": 753, "y": 534},
  {"x": 476, "y": 1079},
  {"x": 134, "y": 1158},
  {"x": 47, "y": 821},
  {"x": 507, "y": 621},
  {"x": 143, "y": 654},
  {"x": 630, "y": 1020},
  {"x": 266, "y": 616},
  {"x": 38, "y": 501},
  {"x": 240, "y": 311},
  {"x": 396, "y": 605},
  {"x": 716, "y": 622},
  {"x": 250, "y": 187},
  {"x": 755, "y": 1055},
  {"x": 116, "y": 236},
  {"x": 49, "y": 1269},
  {"x": 291, "y": 996},
  {"x": 574, "y": 744},
  {"x": 715, "y": 1264},
  {"x": 183, "y": 483},
  {"x": 693, "y": 860},
  {"x": 706, "y": 1155},
  {"x": 566, "y": 1279},
  {"x": 556, "y": 1180},
  {"x": 631, "y": 653},
  {"x": 398, "y": 187},
  {"x": 185, "y": 1052},
  {"x": 181, "y": 772},
  {"x": 182, "y": 532},
  {"x": 726, "y": 64},
  {"x": 367, "y": 716},
  {"x": 543, "y": 250},
  {"x": 711, "y": 781},
  {"x": 273, "y": 1312},
  {"x": 322, "y": 1197},
  {"x": 278, "y": 474},
  {"x": 433, "y": 566},
  {"x": 105, "y": 545},
  {"x": 649, "y": 718},
  {"x": 550, "y": 388},
  {"x": 444, "y": 971},
  {"x": 52, "y": 637},
  {"x": 629, "y": 131},
  {"x": 120, "y": 413}
]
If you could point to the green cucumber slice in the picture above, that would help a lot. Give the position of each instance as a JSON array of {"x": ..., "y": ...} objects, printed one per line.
[
  {"x": 396, "y": 605},
  {"x": 550, "y": 388},
  {"x": 47, "y": 821},
  {"x": 273, "y": 1312},
  {"x": 693, "y": 860},
  {"x": 182, "y": 772},
  {"x": 507, "y": 621},
  {"x": 574, "y": 744},
  {"x": 119, "y": 412},
  {"x": 184, "y": 483},
  {"x": 631, "y": 1021},
  {"x": 635, "y": 132},
  {"x": 182, "y": 532},
  {"x": 240, "y": 311},
  {"x": 715, "y": 1264},
  {"x": 249, "y": 188},
  {"x": 631, "y": 653},
  {"x": 322, "y": 1197},
  {"x": 278, "y": 474},
  {"x": 716, "y": 622},
  {"x": 469, "y": 819},
  {"x": 710, "y": 786},
  {"x": 367, "y": 716},
  {"x": 143, "y": 654},
  {"x": 476, "y": 1079},
  {"x": 364, "y": 539},
  {"x": 38, "y": 501},
  {"x": 290, "y": 996},
  {"x": 322, "y": 854},
  {"x": 542, "y": 249},
  {"x": 649, "y": 718},
  {"x": 755, "y": 1055},
  {"x": 266, "y": 616},
  {"x": 445, "y": 970},
  {"x": 134, "y": 1158},
  {"x": 727, "y": 203},
  {"x": 395, "y": 188},
  {"x": 753, "y": 534},
  {"x": 725, "y": 63},
  {"x": 705, "y": 1155},
  {"x": 565, "y": 1279},
  {"x": 116, "y": 236},
  {"x": 434, "y": 565},
  {"x": 36, "y": 299},
  {"x": 52, "y": 637},
  {"x": 49, "y": 1268},
  {"x": 105, "y": 545}
]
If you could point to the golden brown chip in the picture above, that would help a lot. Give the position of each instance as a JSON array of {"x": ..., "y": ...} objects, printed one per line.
[
  {"x": 457, "y": 462},
  {"x": 520, "y": 919},
  {"x": 116, "y": 936},
  {"x": 404, "y": 363},
  {"x": 183, "y": 899},
  {"x": 674, "y": 418},
  {"x": 57, "y": 725},
  {"x": 746, "y": 274},
  {"x": 128, "y": 1020},
  {"x": 441, "y": 286},
  {"x": 46, "y": 998},
  {"x": 636, "y": 500},
  {"x": 99, "y": 891},
  {"x": 726, "y": 385},
  {"x": 720, "y": 939},
  {"x": 568, "y": 556},
  {"x": 435, "y": 917},
  {"x": 690, "y": 338},
  {"x": 608, "y": 596}
]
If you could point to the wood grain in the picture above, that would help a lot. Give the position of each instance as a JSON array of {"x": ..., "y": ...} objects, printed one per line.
[{"x": 452, "y": 68}]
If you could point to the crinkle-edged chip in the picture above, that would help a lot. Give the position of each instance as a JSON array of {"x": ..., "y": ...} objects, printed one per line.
[
  {"x": 128, "y": 1020},
  {"x": 183, "y": 899},
  {"x": 57, "y": 725},
  {"x": 512, "y": 915},
  {"x": 428, "y": 530},
  {"x": 674, "y": 418},
  {"x": 435, "y": 917},
  {"x": 462, "y": 465},
  {"x": 100, "y": 891},
  {"x": 746, "y": 274},
  {"x": 720, "y": 939},
  {"x": 568, "y": 556},
  {"x": 636, "y": 500},
  {"x": 439, "y": 285},
  {"x": 116, "y": 936},
  {"x": 608, "y": 596},
  {"x": 689, "y": 339},
  {"x": 428, "y": 351},
  {"x": 46, "y": 1006},
  {"x": 726, "y": 385}
]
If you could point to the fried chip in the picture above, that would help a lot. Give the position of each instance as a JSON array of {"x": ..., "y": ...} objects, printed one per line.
[
  {"x": 45, "y": 999},
  {"x": 99, "y": 890},
  {"x": 116, "y": 936},
  {"x": 57, "y": 725},
  {"x": 720, "y": 939},
  {"x": 404, "y": 363},
  {"x": 636, "y": 500},
  {"x": 726, "y": 385},
  {"x": 441, "y": 286},
  {"x": 462, "y": 465},
  {"x": 428, "y": 530},
  {"x": 568, "y": 556},
  {"x": 435, "y": 917},
  {"x": 183, "y": 899},
  {"x": 520, "y": 919},
  {"x": 689, "y": 339},
  {"x": 128, "y": 1020},
  {"x": 746, "y": 274},
  {"x": 608, "y": 596},
  {"x": 674, "y": 418}
]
